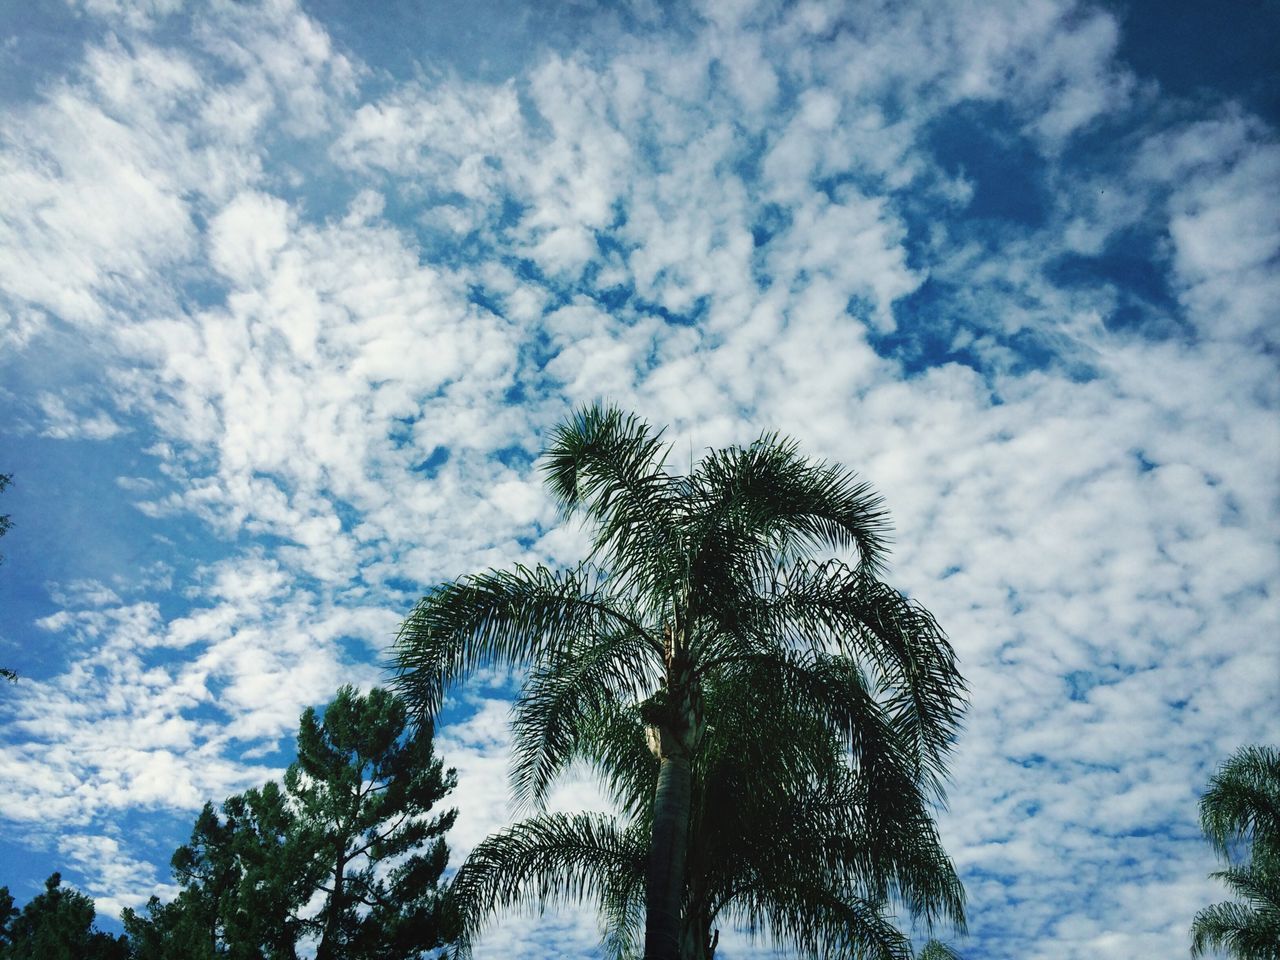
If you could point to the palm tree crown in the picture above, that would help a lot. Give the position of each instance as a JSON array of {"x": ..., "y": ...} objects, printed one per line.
[
  {"x": 1240, "y": 816},
  {"x": 772, "y": 719}
]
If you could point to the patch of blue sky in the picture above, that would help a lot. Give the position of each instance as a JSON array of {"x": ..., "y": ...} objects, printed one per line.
[
  {"x": 427, "y": 212},
  {"x": 400, "y": 433},
  {"x": 355, "y": 650},
  {"x": 74, "y": 523},
  {"x": 1205, "y": 51},
  {"x": 461, "y": 701},
  {"x": 615, "y": 299},
  {"x": 485, "y": 299},
  {"x": 536, "y": 351},
  {"x": 301, "y": 175},
  {"x": 927, "y": 332},
  {"x": 559, "y": 293},
  {"x": 202, "y": 289},
  {"x": 771, "y": 219},
  {"x": 258, "y": 538},
  {"x": 485, "y": 40},
  {"x": 608, "y": 240},
  {"x": 984, "y": 143},
  {"x": 1145, "y": 464},
  {"x": 1079, "y": 683},
  {"x": 839, "y": 187},
  {"x": 27, "y": 866},
  {"x": 402, "y": 586},
  {"x": 431, "y": 466},
  {"x": 515, "y": 394},
  {"x": 42, "y": 43},
  {"x": 348, "y": 515},
  {"x": 683, "y": 318},
  {"x": 518, "y": 457},
  {"x": 942, "y": 322},
  {"x": 1134, "y": 269}
]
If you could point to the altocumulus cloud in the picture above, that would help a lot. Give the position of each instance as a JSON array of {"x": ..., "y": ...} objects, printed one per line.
[{"x": 287, "y": 302}]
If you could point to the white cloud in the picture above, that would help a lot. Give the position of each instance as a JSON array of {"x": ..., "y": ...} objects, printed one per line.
[
  {"x": 62, "y": 423},
  {"x": 117, "y": 876},
  {"x": 343, "y": 373},
  {"x": 246, "y": 235}
]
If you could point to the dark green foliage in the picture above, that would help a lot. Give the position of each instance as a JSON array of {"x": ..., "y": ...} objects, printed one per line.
[
  {"x": 937, "y": 950},
  {"x": 277, "y": 856},
  {"x": 783, "y": 836},
  {"x": 357, "y": 799},
  {"x": 7, "y": 912},
  {"x": 1240, "y": 816},
  {"x": 241, "y": 886},
  {"x": 56, "y": 925},
  {"x": 182, "y": 930},
  {"x": 560, "y": 857},
  {"x": 363, "y": 792},
  {"x": 772, "y": 718}
]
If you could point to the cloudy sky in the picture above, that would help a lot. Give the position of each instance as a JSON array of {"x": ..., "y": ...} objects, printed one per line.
[{"x": 291, "y": 292}]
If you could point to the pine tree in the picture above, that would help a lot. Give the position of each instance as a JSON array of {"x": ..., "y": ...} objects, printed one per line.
[
  {"x": 364, "y": 791},
  {"x": 56, "y": 925},
  {"x": 352, "y": 823}
]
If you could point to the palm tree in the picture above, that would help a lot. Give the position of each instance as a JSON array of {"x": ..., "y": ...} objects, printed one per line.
[
  {"x": 738, "y": 605},
  {"x": 785, "y": 836},
  {"x": 1241, "y": 809},
  {"x": 937, "y": 950}
]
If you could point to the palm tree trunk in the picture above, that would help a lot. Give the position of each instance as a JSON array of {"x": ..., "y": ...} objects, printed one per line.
[
  {"x": 699, "y": 941},
  {"x": 665, "y": 883}
]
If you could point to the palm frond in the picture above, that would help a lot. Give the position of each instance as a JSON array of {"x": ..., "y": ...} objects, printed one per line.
[
  {"x": 768, "y": 499},
  {"x": 1257, "y": 881},
  {"x": 1243, "y": 800},
  {"x": 832, "y": 606},
  {"x": 1240, "y": 814},
  {"x": 548, "y": 859},
  {"x": 827, "y": 692},
  {"x": 896, "y": 855},
  {"x": 622, "y": 907},
  {"x": 937, "y": 950},
  {"x": 1237, "y": 930},
  {"x": 839, "y": 832},
  {"x": 609, "y": 466},
  {"x": 501, "y": 618},
  {"x": 817, "y": 920},
  {"x": 563, "y": 699},
  {"x": 615, "y": 742},
  {"x": 783, "y": 792}
]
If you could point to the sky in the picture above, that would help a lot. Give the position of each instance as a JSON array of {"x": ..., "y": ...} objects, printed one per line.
[{"x": 291, "y": 293}]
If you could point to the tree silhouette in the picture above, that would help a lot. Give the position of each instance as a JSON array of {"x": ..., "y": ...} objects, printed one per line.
[
  {"x": 56, "y": 925},
  {"x": 731, "y": 616},
  {"x": 1240, "y": 816},
  {"x": 351, "y": 828},
  {"x": 364, "y": 790}
]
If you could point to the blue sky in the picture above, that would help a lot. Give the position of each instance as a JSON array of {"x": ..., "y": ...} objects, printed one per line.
[{"x": 290, "y": 294}]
